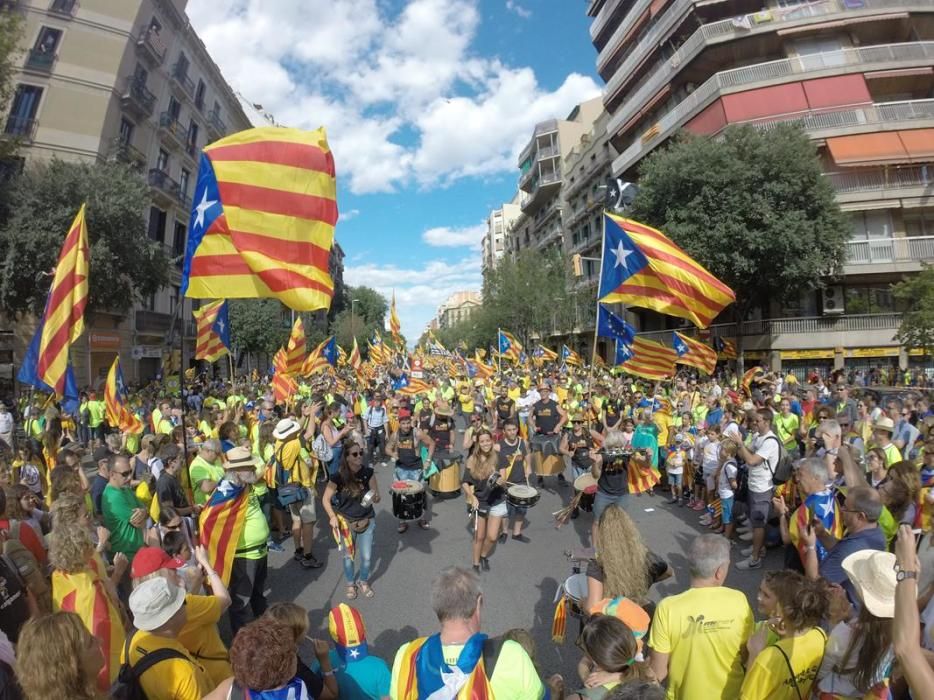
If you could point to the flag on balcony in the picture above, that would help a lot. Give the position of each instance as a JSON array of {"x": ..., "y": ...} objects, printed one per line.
[
  {"x": 694, "y": 353},
  {"x": 725, "y": 347},
  {"x": 262, "y": 219},
  {"x": 115, "y": 394},
  {"x": 642, "y": 267},
  {"x": 570, "y": 357},
  {"x": 63, "y": 320},
  {"x": 395, "y": 327},
  {"x": 295, "y": 350},
  {"x": 509, "y": 347},
  {"x": 213, "y": 331},
  {"x": 609, "y": 325},
  {"x": 650, "y": 359}
]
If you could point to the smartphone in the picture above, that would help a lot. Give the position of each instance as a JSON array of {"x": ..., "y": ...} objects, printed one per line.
[{"x": 919, "y": 534}]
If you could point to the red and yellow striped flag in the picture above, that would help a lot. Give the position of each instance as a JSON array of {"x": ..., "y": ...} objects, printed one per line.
[
  {"x": 210, "y": 345},
  {"x": 118, "y": 415},
  {"x": 63, "y": 321},
  {"x": 295, "y": 350},
  {"x": 395, "y": 327},
  {"x": 221, "y": 524},
  {"x": 696, "y": 353},
  {"x": 650, "y": 360},
  {"x": 262, "y": 219},
  {"x": 355, "y": 360},
  {"x": 283, "y": 386},
  {"x": 643, "y": 267}
]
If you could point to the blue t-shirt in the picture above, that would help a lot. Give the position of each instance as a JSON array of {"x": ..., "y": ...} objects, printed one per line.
[
  {"x": 366, "y": 679},
  {"x": 831, "y": 569}
]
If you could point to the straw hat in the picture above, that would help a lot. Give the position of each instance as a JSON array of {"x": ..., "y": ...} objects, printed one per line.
[
  {"x": 285, "y": 428},
  {"x": 240, "y": 458},
  {"x": 872, "y": 573},
  {"x": 884, "y": 423}
]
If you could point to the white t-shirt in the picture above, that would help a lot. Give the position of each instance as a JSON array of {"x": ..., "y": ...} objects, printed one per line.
[
  {"x": 674, "y": 463},
  {"x": 727, "y": 474},
  {"x": 711, "y": 458},
  {"x": 760, "y": 476},
  {"x": 732, "y": 431},
  {"x": 6, "y": 423}
]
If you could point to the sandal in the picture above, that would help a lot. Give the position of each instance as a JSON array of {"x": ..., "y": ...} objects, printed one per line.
[
  {"x": 351, "y": 592},
  {"x": 366, "y": 590},
  {"x": 423, "y": 524},
  {"x": 402, "y": 528}
]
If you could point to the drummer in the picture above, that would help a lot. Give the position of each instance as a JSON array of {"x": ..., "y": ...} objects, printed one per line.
[
  {"x": 404, "y": 448},
  {"x": 482, "y": 486},
  {"x": 580, "y": 445},
  {"x": 546, "y": 419},
  {"x": 515, "y": 463},
  {"x": 441, "y": 433},
  {"x": 612, "y": 475}
]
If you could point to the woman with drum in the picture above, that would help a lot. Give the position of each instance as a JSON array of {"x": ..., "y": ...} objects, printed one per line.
[
  {"x": 515, "y": 463},
  {"x": 348, "y": 500},
  {"x": 446, "y": 483},
  {"x": 486, "y": 496},
  {"x": 404, "y": 448}
]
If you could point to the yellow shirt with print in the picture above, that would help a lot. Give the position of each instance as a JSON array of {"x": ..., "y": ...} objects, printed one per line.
[
  {"x": 703, "y": 630},
  {"x": 768, "y": 678},
  {"x": 200, "y": 636},
  {"x": 295, "y": 461},
  {"x": 172, "y": 679}
]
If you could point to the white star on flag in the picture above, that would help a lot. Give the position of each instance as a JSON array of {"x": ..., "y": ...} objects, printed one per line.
[
  {"x": 225, "y": 487},
  {"x": 621, "y": 254},
  {"x": 202, "y": 207},
  {"x": 220, "y": 325},
  {"x": 354, "y": 653}
]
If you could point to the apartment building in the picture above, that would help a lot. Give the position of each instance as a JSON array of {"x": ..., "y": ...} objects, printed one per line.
[
  {"x": 130, "y": 81},
  {"x": 493, "y": 244},
  {"x": 857, "y": 75},
  {"x": 457, "y": 308}
]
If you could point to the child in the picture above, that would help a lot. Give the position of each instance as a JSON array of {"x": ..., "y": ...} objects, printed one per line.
[
  {"x": 726, "y": 486},
  {"x": 674, "y": 466},
  {"x": 710, "y": 462},
  {"x": 176, "y": 545}
]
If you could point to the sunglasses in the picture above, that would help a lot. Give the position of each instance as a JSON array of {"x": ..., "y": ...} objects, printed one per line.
[
  {"x": 357, "y": 453},
  {"x": 124, "y": 474}
]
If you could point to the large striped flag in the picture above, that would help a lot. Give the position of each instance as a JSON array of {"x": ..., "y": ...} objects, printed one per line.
[
  {"x": 694, "y": 353},
  {"x": 262, "y": 219},
  {"x": 115, "y": 393},
  {"x": 295, "y": 350},
  {"x": 355, "y": 361},
  {"x": 544, "y": 353},
  {"x": 509, "y": 347},
  {"x": 642, "y": 267},
  {"x": 570, "y": 357},
  {"x": 650, "y": 360},
  {"x": 283, "y": 386},
  {"x": 324, "y": 356},
  {"x": 725, "y": 347},
  {"x": 84, "y": 593},
  {"x": 412, "y": 386},
  {"x": 221, "y": 524},
  {"x": 63, "y": 320},
  {"x": 395, "y": 327},
  {"x": 213, "y": 331}
]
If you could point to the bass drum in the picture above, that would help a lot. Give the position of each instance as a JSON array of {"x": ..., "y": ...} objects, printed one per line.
[{"x": 446, "y": 483}]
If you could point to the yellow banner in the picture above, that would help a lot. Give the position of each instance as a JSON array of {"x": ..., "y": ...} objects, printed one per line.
[
  {"x": 807, "y": 354},
  {"x": 873, "y": 352}
]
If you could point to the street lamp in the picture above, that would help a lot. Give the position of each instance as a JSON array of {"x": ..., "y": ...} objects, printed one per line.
[{"x": 353, "y": 318}]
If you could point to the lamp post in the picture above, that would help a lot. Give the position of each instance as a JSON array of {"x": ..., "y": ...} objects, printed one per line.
[{"x": 353, "y": 318}]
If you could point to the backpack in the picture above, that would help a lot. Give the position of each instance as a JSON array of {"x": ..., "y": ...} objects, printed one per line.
[
  {"x": 321, "y": 449},
  {"x": 128, "y": 686},
  {"x": 28, "y": 568},
  {"x": 785, "y": 467}
]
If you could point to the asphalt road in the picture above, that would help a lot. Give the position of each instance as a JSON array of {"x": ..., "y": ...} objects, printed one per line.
[{"x": 519, "y": 590}]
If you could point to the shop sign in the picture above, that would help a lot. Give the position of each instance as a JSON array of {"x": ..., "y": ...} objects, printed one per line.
[
  {"x": 807, "y": 354},
  {"x": 104, "y": 341}
]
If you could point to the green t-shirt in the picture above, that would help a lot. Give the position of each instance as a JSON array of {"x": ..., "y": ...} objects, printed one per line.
[
  {"x": 132, "y": 443},
  {"x": 96, "y": 410},
  {"x": 202, "y": 470},
  {"x": 255, "y": 530},
  {"x": 117, "y": 506},
  {"x": 786, "y": 427},
  {"x": 888, "y": 524}
]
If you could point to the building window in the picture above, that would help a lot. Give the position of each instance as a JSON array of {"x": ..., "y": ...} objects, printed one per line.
[
  {"x": 192, "y": 145},
  {"x": 22, "y": 117},
  {"x": 126, "y": 131},
  {"x": 181, "y": 68},
  {"x": 871, "y": 300},
  {"x": 183, "y": 181},
  {"x": 173, "y": 299},
  {"x": 42, "y": 55},
  {"x": 871, "y": 224},
  {"x": 162, "y": 162},
  {"x": 157, "y": 219},
  {"x": 175, "y": 108},
  {"x": 199, "y": 95},
  {"x": 178, "y": 240},
  {"x": 920, "y": 224}
]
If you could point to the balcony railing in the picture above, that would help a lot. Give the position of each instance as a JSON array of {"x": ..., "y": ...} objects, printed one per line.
[
  {"x": 20, "y": 127},
  {"x": 137, "y": 97},
  {"x": 172, "y": 128},
  {"x": 880, "y": 113},
  {"x": 890, "y": 250},
  {"x": 151, "y": 45},
  {"x": 123, "y": 152},
  {"x": 39, "y": 60},
  {"x": 161, "y": 181},
  {"x": 603, "y": 17},
  {"x": 546, "y": 152},
  {"x": 882, "y": 179},
  {"x": 844, "y": 60},
  {"x": 65, "y": 8},
  {"x": 216, "y": 124},
  {"x": 625, "y": 26},
  {"x": 180, "y": 76}
]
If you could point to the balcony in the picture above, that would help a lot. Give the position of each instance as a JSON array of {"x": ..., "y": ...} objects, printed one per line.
[
  {"x": 122, "y": 152},
  {"x": 136, "y": 98},
  {"x": 850, "y": 60},
  {"x": 152, "y": 321},
  {"x": 172, "y": 130},
  {"x": 883, "y": 183},
  {"x": 164, "y": 188},
  {"x": 182, "y": 82},
  {"x": 64, "y": 8},
  {"x": 548, "y": 126},
  {"x": 888, "y": 255},
  {"x": 21, "y": 128},
  {"x": 216, "y": 125},
  {"x": 150, "y": 46},
  {"x": 40, "y": 61},
  {"x": 535, "y": 187}
]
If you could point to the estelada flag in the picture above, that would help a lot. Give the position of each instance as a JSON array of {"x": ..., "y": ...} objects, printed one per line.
[
  {"x": 570, "y": 357},
  {"x": 115, "y": 393},
  {"x": 262, "y": 219},
  {"x": 355, "y": 361},
  {"x": 283, "y": 386},
  {"x": 213, "y": 331},
  {"x": 395, "y": 327},
  {"x": 694, "y": 353},
  {"x": 295, "y": 350},
  {"x": 643, "y": 267},
  {"x": 84, "y": 594},
  {"x": 650, "y": 360},
  {"x": 509, "y": 347},
  {"x": 221, "y": 524}
]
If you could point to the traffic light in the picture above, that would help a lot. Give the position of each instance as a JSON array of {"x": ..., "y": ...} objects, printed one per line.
[{"x": 577, "y": 265}]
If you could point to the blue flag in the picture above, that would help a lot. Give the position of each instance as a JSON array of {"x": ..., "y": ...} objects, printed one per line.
[
  {"x": 401, "y": 382},
  {"x": 609, "y": 325},
  {"x": 679, "y": 345},
  {"x": 222, "y": 325},
  {"x": 28, "y": 374},
  {"x": 330, "y": 351},
  {"x": 623, "y": 353}
]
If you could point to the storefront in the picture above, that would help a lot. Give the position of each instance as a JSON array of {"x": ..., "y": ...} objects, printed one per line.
[
  {"x": 866, "y": 359},
  {"x": 801, "y": 363}
]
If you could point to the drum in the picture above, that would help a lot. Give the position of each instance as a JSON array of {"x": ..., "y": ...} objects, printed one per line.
[
  {"x": 522, "y": 496},
  {"x": 552, "y": 465},
  {"x": 586, "y": 484},
  {"x": 447, "y": 482},
  {"x": 575, "y": 590},
  {"x": 408, "y": 499}
]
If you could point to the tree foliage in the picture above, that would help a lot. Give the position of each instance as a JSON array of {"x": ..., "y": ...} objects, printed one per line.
[
  {"x": 360, "y": 317},
  {"x": 11, "y": 30},
  {"x": 258, "y": 325},
  {"x": 125, "y": 265},
  {"x": 753, "y": 207},
  {"x": 917, "y": 327}
]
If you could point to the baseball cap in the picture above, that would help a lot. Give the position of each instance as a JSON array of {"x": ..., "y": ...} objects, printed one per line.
[
  {"x": 149, "y": 560},
  {"x": 404, "y": 413},
  {"x": 154, "y": 602},
  {"x": 345, "y": 625}
]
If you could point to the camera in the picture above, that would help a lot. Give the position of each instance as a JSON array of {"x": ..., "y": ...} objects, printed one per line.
[{"x": 819, "y": 443}]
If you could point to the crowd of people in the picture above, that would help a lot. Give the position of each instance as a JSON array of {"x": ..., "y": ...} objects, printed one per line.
[{"x": 135, "y": 563}]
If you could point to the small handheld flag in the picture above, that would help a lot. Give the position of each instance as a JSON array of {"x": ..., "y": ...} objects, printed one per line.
[
  {"x": 295, "y": 350},
  {"x": 395, "y": 327},
  {"x": 509, "y": 347},
  {"x": 213, "y": 331},
  {"x": 694, "y": 353},
  {"x": 650, "y": 360},
  {"x": 725, "y": 347},
  {"x": 115, "y": 394},
  {"x": 570, "y": 357}
]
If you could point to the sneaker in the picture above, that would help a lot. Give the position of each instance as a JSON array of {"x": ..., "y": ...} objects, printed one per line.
[
  {"x": 746, "y": 536},
  {"x": 485, "y": 563},
  {"x": 743, "y": 528},
  {"x": 746, "y": 551},
  {"x": 502, "y": 537},
  {"x": 299, "y": 553},
  {"x": 699, "y": 506},
  {"x": 705, "y": 520},
  {"x": 521, "y": 538},
  {"x": 274, "y": 546},
  {"x": 749, "y": 564},
  {"x": 309, "y": 562}
]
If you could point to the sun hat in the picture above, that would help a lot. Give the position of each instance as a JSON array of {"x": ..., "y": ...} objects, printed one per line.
[
  {"x": 872, "y": 573},
  {"x": 149, "y": 560},
  {"x": 286, "y": 428},
  {"x": 884, "y": 423},
  {"x": 345, "y": 625},
  {"x": 239, "y": 458},
  {"x": 154, "y": 602}
]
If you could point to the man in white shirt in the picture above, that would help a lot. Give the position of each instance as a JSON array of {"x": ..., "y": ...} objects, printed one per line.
[
  {"x": 762, "y": 461},
  {"x": 6, "y": 425}
]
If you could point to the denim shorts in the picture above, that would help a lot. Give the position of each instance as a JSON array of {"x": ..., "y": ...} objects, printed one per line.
[
  {"x": 497, "y": 511},
  {"x": 603, "y": 500},
  {"x": 726, "y": 505},
  {"x": 675, "y": 479},
  {"x": 515, "y": 511}
]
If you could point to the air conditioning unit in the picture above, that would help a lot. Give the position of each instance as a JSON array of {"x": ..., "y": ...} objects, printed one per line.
[{"x": 832, "y": 300}]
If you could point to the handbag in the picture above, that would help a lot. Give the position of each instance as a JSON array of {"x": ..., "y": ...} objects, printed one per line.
[
  {"x": 321, "y": 449},
  {"x": 287, "y": 493}
]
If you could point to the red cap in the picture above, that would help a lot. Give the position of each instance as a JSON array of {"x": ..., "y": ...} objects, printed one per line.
[
  {"x": 404, "y": 413},
  {"x": 149, "y": 560}
]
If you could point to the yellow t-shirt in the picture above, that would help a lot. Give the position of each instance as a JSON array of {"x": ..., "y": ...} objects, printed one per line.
[
  {"x": 466, "y": 401},
  {"x": 704, "y": 631},
  {"x": 201, "y": 638},
  {"x": 768, "y": 678},
  {"x": 294, "y": 456},
  {"x": 172, "y": 679},
  {"x": 786, "y": 428}
]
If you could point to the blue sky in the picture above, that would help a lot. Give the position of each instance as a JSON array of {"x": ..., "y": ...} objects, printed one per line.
[{"x": 426, "y": 103}]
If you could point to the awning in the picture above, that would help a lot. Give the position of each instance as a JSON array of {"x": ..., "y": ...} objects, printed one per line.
[
  {"x": 919, "y": 143},
  {"x": 860, "y": 149}
]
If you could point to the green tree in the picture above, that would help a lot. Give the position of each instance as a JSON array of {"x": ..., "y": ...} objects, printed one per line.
[
  {"x": 125, "y": 264},
  {"x": 753, "y": 207},
  {"x": 364, "y": 311},
  {"x": 11, "y": 31},
  {"x": 917, "y": 294},
  {"x": 258, "y": 326}
]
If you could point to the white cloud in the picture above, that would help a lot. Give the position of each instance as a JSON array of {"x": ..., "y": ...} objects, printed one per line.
[
  {"x": 419, "y": 290},
  {"x": 349, "y": 214},
  {"x": 518, "y": 9},
  {"x": 447, "y": 237}
]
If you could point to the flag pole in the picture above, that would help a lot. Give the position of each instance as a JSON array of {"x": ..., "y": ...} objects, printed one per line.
[
  {"x": 181, "y": 387},
  {"x": 499, "y": 355},
  {"x": 596, "y": 324}
]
